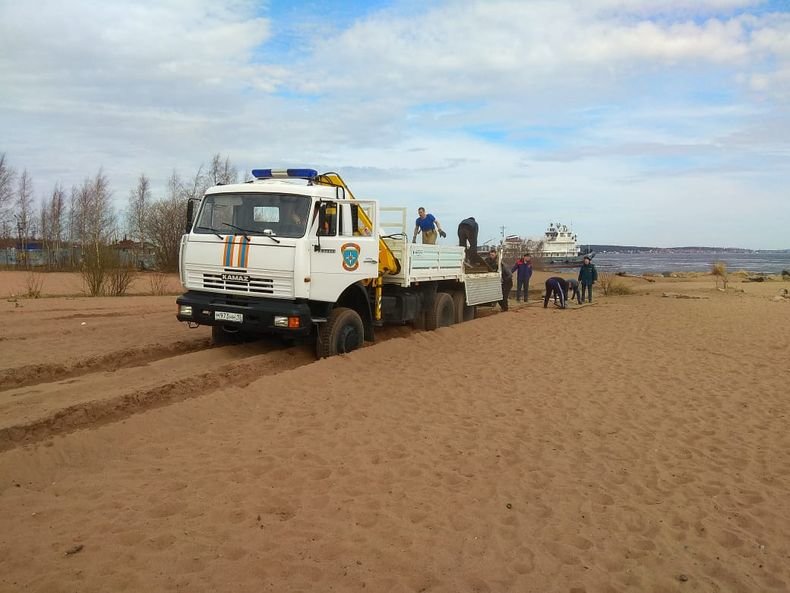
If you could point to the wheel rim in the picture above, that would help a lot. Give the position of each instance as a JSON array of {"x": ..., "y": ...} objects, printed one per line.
[
  {"x": 348, "y": 339},
  {"x": 448, "y": 316}
]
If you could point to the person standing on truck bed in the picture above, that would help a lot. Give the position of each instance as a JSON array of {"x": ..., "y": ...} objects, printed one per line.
[
  {"x": 425, "y": 224},
  {"x": 467, "y": 238}
]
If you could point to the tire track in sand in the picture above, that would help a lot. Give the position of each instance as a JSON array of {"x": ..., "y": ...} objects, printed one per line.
[
  {"x": 110, "y": 361},
  {"x": 33, "y": 413}
]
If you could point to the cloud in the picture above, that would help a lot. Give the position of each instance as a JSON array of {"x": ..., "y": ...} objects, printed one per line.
[{"x": 603, "y": 111}]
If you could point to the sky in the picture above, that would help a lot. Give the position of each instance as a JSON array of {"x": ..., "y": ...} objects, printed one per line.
[{"x": 638, "y": 122}]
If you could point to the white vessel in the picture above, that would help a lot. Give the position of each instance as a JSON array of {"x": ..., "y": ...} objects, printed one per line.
[
  {"x": 559, "y": 242},
  {"x": 557, "y": 248}
]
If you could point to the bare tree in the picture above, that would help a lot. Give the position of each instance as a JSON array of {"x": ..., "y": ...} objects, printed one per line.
[
  {"x": 165, "y": 221},
  {"x": 46, "y": 244},
  {"x": 221, "y": 172},
  {"x": 96, "y": 211},
  {"x": 57, "y": 206},
  {"x": 24, "y": 212},
  {"x": 94, "y": 222},
  {"x": 7, "y": 175},
  {"x": 139, "y": 203},
  {"x": 193, "y": 189},
  {"x": 51, "y": 215}
]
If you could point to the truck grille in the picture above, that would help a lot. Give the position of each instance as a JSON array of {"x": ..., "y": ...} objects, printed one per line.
[
  {"x": 254, "y": 285},
  {"x": 275, "y": 284}
]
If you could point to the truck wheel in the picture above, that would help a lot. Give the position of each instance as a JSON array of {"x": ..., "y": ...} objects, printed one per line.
[
  {"x": 219, "y": 337},
  {"x": 463, "y": 312},
  {"x": 470, "y": 311},
  {"x": 342, "y": 333},
  {"x": 442, "y": 313}
]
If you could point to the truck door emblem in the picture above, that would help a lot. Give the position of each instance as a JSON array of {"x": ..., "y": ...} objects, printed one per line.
[{"x": 350, "y": 253}]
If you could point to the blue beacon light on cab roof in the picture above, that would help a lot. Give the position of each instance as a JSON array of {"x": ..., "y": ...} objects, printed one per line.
[{"x": 284, "y": 173}]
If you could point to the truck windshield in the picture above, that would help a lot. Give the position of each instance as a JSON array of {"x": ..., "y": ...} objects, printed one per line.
[{"x": 281, "y": 215}]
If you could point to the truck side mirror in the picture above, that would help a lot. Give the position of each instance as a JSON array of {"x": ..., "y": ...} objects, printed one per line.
[{"x": 190, "y": 214}]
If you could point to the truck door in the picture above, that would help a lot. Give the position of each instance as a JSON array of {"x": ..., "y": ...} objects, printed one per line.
[{"x": 344, "y": 246}]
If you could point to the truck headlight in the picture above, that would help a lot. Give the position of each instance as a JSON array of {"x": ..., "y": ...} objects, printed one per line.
[
  {"x": 185, "y": 310},
  {"x": 292, "y": 322}
]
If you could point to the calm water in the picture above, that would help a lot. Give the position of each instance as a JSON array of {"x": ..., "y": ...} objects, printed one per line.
[{"x": 641, "y": 263}]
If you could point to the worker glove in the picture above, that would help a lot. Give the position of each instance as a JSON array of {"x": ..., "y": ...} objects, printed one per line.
[{"x": 442, "y": 234}]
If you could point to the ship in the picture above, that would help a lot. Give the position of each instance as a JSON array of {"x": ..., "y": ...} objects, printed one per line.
[{"x": 558, "y": 248}]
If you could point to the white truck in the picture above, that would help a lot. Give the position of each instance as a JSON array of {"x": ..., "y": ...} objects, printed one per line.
[{"x": 294, "y": 253}]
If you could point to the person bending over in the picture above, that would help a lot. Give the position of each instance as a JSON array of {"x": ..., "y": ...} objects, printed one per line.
[
  {"x": 467, "y": 238},
  {"x": 558, "y": 288},
  {"x": 573, "y": 290}
]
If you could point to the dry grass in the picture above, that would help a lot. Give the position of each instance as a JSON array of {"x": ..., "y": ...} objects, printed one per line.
[
  {"x": 103, "y": 273},
  {"x": 611, "y": 286},
  {"x": 34, "y": 283},
  {"x": 719, "y": 272},
  {"x": 158, "y": 283},
  {"x": 119, "y": 279}
]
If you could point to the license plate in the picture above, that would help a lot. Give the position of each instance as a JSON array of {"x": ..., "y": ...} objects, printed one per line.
[{"x": 225, "y": 316}]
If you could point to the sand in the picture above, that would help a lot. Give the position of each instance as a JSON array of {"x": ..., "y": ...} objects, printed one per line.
[{"x": 637, "y": 444}]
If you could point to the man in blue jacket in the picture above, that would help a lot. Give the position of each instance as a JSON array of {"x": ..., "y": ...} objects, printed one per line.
[
  {"x": 524, "y": 268},
  {"x": 588, "y": 276}
]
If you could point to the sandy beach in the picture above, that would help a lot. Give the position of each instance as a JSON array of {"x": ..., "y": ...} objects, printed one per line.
[{"x": 640, "y": 443}]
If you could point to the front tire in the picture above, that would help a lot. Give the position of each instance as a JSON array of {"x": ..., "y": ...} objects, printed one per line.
[{"x": 343, "y": 332}]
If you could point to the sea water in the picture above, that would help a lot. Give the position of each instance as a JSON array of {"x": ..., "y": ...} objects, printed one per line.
[{"x": 672, "y": 261}]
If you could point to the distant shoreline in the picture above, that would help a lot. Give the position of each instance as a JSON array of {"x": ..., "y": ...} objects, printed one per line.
[{"x": 631, "y": 249}]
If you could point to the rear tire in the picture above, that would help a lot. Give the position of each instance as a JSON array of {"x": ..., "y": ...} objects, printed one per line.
[
  {"x": 344, "y": 332},
  {"x": 470, "y": 312},
  {"x": 463, "y": 312},
  {"x": 442, "y": 313}
]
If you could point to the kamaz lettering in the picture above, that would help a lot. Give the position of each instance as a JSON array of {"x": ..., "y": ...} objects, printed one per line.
[{"x": 235, "y": 277}]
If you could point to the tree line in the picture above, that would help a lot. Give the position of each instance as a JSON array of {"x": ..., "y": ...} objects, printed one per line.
[{"x": 78, "y": 227}]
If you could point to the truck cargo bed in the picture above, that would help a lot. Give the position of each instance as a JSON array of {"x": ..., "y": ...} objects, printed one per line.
[{"x": 423, "y": 263}]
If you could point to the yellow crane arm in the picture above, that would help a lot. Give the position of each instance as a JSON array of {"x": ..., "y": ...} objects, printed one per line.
[{"x": 388, "y": 263}]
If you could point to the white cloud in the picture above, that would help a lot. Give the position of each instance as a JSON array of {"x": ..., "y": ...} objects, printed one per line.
[{"x": 608, "y": 112}]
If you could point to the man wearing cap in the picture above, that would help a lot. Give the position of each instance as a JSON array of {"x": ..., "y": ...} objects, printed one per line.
[
  {"x": 425, "y": 224},
  {"x": 588, "y": 276}
]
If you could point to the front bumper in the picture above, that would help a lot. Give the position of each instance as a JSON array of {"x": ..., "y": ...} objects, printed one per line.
[{"x": 257, "y": 314}]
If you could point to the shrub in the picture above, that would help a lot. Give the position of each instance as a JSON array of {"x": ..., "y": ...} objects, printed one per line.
[
  {"x": 103, "y": 273},
  {"x": 611, "y": 286},
  {"x": 34, "y": 281},
  {"x": 719, "y": 272},
  {"x": 118, "y": 280},
  {"x": 158, "y": 283},
  {"x": 94, "y": 272}
]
